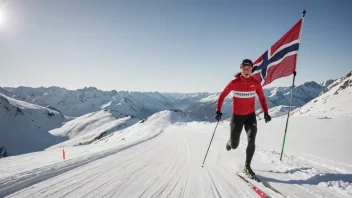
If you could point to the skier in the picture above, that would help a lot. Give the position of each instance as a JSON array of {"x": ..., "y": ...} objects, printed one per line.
[{"x": 244, "y": 88}]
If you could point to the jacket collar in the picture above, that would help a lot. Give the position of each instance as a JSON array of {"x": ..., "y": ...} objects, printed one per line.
[{"x": 244, "y": 79}]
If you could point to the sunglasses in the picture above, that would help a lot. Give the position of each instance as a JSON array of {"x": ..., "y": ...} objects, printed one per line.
[{"x": 246, "y": 67}]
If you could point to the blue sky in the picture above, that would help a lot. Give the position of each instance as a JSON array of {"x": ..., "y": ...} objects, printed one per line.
[{"x": 165, "y": 46}]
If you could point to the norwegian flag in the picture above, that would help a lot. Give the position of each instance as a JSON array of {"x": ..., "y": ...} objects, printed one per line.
[{"x": 280, "y": 60}]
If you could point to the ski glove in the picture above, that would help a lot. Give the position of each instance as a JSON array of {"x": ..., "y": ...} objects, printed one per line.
[
  {"x": 218, "y": 115},
  {"x": 267, "y": 118}
]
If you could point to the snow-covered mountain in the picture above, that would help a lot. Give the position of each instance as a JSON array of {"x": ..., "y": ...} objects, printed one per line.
[
  {"x": 335, "y": 100},
  {"x": 92, "y": 126},
  {"x": 87, "y": 100},
  {"x": 24, "y": 127},
  {"x": 5, "y": 92},
  {"x": 184, "y": 100},
  {"x": 143, "y": 104}
]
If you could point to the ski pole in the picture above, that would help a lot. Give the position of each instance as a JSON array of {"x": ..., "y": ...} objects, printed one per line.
[{"x": 210, "y": 142}]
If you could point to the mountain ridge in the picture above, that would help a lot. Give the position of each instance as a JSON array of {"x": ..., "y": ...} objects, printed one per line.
[{"x": 143, "y": 104}]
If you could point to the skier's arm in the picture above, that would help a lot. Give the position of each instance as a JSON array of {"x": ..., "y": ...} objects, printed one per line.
[
  {"x": 223, "y": 94},
  {"x": 262, "y": 99}
]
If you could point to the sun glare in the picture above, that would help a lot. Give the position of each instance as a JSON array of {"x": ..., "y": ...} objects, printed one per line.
[{"x": 2, "y": 18}]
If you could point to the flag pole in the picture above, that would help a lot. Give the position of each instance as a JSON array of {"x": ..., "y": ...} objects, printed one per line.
[{"x": 293, "y": 85}]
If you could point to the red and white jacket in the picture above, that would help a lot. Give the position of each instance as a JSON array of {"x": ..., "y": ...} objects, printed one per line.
[{"x": 243, "y": 93}]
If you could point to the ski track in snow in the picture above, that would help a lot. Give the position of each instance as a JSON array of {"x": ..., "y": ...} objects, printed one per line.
[{"x": 169, "y": 165}]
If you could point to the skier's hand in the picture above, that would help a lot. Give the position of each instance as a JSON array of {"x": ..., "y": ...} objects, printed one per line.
[
  {"x": 267, "y": 118},
  {"x": 218, "y": 115}
]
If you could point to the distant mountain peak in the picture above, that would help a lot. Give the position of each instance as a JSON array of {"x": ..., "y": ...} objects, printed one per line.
[
  {"x": 312, "y": 84},
  {"x": 326, "y": 83},
  {"x": 88, "y": 89}
]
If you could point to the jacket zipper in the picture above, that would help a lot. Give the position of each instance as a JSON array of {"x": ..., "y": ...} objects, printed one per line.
[{"x": 247, "y": 83}]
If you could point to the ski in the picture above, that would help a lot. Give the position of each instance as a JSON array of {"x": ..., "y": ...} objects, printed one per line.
[
  {"x": 255, "y": 178},
  {"x": 257, "y": 190},
  {"x": 266, "y": 184}
]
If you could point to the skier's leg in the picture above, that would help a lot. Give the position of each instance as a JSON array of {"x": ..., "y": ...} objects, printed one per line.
[
  {"x": 251, "y": 130},
  {"x": 236, "y": 126}
]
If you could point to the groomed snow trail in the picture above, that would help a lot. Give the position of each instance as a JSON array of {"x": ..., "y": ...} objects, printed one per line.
[{"x": 169, "y": 165}]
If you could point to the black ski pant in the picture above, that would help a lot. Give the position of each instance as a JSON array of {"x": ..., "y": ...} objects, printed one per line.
[{"x": 250, "y": 125}]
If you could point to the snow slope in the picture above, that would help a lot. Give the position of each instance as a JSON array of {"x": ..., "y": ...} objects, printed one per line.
[
  {"x": 17, "y": 175},
  {"x": 168, "y": 164},
  {"x": 24, "y": 126},
  {"x": 334, "y": 100},
  {"x": 150, "y": 127},
  {"x": 87, "y": 128}
]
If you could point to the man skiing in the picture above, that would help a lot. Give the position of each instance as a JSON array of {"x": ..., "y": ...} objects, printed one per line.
[{"x": 244, "y": 88}]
